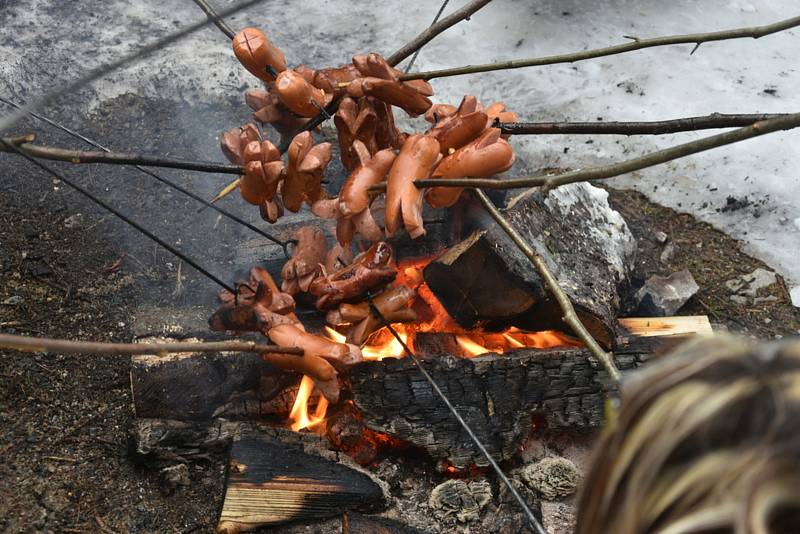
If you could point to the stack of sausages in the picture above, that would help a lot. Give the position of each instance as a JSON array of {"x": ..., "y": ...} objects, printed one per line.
[{"x": 461, "y": 142}]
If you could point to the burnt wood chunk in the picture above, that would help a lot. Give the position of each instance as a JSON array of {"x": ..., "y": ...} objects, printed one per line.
[
  {"x": 272, "y": 482},
  {"x": 498, "y": 396},
  {"x": 201, "y": 386},
  {"x": 486, "y": 280}
]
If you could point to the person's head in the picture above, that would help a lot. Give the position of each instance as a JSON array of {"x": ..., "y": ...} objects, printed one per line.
[{"x": 705, "y": 441}]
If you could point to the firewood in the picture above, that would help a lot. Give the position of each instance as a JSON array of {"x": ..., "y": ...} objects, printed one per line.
[
  {"x": 272, "y": 482},
  {"x": 498, "y": 395},
  {"x": 485, "y": 279}
]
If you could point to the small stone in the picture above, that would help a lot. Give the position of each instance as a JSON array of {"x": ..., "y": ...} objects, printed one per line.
[
  {"x": 13, "y": 300},
  {"x": 463, "y": 499},
  {"x": 73, "y": 221},
  {"x": 662, "y": 296},
  {"x": 553, "y": 477},
  {"x": 667, "y": 253},
  {"x": 739, "y": 299},
  {"x": 660, "y": 237},
  {"x": 749, "y": 284},
  {"x": 172, "y": 477},
  {"x": 794, "y": 294}
]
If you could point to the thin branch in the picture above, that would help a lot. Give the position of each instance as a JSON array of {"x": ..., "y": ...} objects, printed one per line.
[
  {"x": 685, "y": 124},
  {"x": 570, "y": 317},
  {"x": 549, "y": 181},
  {"x": 216, "y": 19},
  {"x": 10, "y": 120},
  {"x": 121, "y": 158},
  {"x": 423, "y": 38},
  {"x": 63, "y": 346},
  {"x": 636, "y": 44}
]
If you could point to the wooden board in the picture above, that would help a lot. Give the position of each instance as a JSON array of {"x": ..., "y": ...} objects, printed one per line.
[{"x": 271, "y": 482}]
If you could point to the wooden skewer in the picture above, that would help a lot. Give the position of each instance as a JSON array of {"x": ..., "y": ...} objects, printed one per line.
[{"x": 64, "y": 346}]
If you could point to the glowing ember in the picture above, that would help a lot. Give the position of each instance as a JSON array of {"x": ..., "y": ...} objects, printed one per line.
[{"x": 299, "y": 416}]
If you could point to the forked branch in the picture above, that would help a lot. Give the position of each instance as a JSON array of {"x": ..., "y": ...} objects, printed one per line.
[{"x": 635, "y": 44}]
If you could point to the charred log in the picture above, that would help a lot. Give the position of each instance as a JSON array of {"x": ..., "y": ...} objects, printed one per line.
[
  {"x": 486, "y": 280},
  {"x": 496, "y": 394},
  {"x": 198, "y": 387}
]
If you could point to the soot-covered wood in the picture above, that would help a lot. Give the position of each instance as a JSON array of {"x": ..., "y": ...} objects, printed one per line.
[
  {"x": 498, "y": 396},
  {"x": 199, "y": 387},
  {"x": 272, "y": 482},
  {"x": 487, "y": 280}
]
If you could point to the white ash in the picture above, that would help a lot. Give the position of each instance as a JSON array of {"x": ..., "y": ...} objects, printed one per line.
[{"x": 553, "y": 477}]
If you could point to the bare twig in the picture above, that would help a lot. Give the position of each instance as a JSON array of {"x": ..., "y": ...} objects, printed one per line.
[
  {"x": 636, "y": 44},
  {"x": 120, "y": 158},
  {"x": 216, "y": 19},
  {"x": 64, "y": 346},
  {"x": 548, "y": 181},
  {"x": 685, "y": 124},
  {"x": 423, "y": 38},
  {"x": 97, "y": 73},
  {"x": 570, "y": 317}
]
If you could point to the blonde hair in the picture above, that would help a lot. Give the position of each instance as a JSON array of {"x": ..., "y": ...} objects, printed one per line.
[{"x": 706, "y": 441}]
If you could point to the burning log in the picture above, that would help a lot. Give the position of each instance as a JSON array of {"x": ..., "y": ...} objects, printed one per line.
[
  {"x": 197, "y": 387},
  {"x": 498, "y": 395},
  {"x": 586, "y": 245}
]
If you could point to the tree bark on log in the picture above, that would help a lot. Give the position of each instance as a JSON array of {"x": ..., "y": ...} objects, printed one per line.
[
  {"x": 485, "y": 280},
  {"x": 498, "y": 396}
]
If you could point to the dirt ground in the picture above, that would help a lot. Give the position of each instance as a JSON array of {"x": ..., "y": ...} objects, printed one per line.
[{"x": 64, "y": 419}]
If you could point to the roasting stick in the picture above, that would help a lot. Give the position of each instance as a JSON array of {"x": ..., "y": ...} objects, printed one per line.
[
  {"x": 684, "y": 124},
  {"x": 532, "y": 521},
  {"x": 216, "y": 19},
  {"x": 435, "y": 20},
  {"x": 413, "y": 46},
  {"x": 64, "y": 346},
  {"x": 12, "y": 119},
  {"x": 636, "y": 44},
  {"x": 570, "y": 317},
  {"x": 122, "y": 158},
  {"x": 548, "y": 181}
]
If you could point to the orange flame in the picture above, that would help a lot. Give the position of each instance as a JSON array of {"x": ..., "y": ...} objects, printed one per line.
[
  {"x": 433, "y": 318},
  {"x": 299, "y": 416}
]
